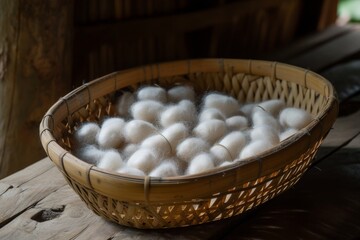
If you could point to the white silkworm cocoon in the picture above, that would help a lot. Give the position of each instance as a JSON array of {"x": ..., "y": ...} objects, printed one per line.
[
  {"x": 129, "y": 149},
  {"x": 111, "y": 133},
  {"x": 131, "y": 171},
  {"x": 248, "y": 108},
  {"x": 111, "y": 160},
  {"x": 175, "y": 134},
  {"x": 152, "y": 93},
  {"x": 87, "y": 133},
  {"x": 158, "y": 144},
  {"x": 191, "y": 147},
  {"x": 220, "y": 154},
  {"x": 179, "y": 93},
  {"x": 287, "y": 133},
  {"x": 272, "y": 107},
  {"x": 210, "y": 113},
  {"x": 210, "y": 130},
  {"x": 266, "y": 133},
  {"x": 90, "y": 154},
  {"x": 189, "y": 106},
  {"x": 147, "y": 110},
  {"x": 229, "y": 147},
  {"x": 255, "y": 148},
  {"x": 124, "y": 103},
  {"x": 226, "y": 163},
  {"x": 136, "y": 131},
  {"x": 165, "y": 169},
  {"x": 260, "y": 118},
  {"x": 237, "y": 123},
  {"x": 295, "y": 118},
  {"x": 229, "y": 106},
  {"x": 200, "y": 163},
  {"x": 143, "y": 159},
  {"x": 184, "y": 111}
]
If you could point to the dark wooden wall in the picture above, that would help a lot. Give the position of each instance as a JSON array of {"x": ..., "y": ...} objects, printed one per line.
[
  {"x": 117, "y": 34},
  {"x": 48, "y": 47}
]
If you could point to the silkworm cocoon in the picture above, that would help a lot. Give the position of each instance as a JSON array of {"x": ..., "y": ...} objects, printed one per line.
[
  {"x": 175, "y": 134},
  {"x": 152, "y": 93},
  {"x": 131, "y": 171},
  {"x": 87, "y": 133},
  {"x": 210, "y": 130},
  {"x": 165, "y": 169},
  {"x": 229, "y": 147},
  {"x": 147, "y": 110},
  {"x": 111, "y": 133},
  {"x": 158, "y": 144},
  {"x": 237, "y": 123},
  {"x": 260, "y": 118},
  {"x": 184, "y": 112},
  {"x": 287, "y": 133},
  {"x": 273, "y": 106},
  {"x": 295, "y": 118},
  {"x": 200, "y": 163},
  {"x": 136, "y": 131},
  {"x": 221, "y": 154},
  {"x": 210, "y": 113},
  {"x": 129, "y": 149},
  {"x": 248, "y": 108},
  {"x": 229, "y": 106},
  {"x": 143, "y": 159},
  {"x": 90, "y": 154},
  {"x": 188, "y": 105},
  {"x": 191, "y": 147},
  {"x": 234, "y": 142},
  {"x": 255, "y": 148},
  {"x": 111, "y": 160},
  {"x": 179, "y": 93},
  {"x": 124, "y": 103},
  {"x": 266, "y": 133},
  {"x": 226, "y": 163}
]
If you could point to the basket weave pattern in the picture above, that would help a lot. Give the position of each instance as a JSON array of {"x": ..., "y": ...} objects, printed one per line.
[{"x": 189, "y": 200}]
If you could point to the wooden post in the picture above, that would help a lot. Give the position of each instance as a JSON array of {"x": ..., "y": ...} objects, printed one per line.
[{"x": 35, "y": 70}]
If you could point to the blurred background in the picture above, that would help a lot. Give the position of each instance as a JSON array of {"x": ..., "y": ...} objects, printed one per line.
[{"x": 49, "y": 47}]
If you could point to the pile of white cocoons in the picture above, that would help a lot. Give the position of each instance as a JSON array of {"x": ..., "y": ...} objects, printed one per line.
[{"x": 160, "y": 132}]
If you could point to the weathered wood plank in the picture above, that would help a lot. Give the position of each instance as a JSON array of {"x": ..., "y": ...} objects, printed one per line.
[
  {"x": 343, "y": 130},
  {"x": 328, "y": 53},
  {"x": 29, "y": 173},
  {"x": 308, "y": 43},
  {"x": 72, "y": 219},
  {"x": 24, "y": 194}
]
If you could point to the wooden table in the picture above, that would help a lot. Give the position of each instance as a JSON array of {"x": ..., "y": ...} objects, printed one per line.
[{"x": 37, "y": 203}]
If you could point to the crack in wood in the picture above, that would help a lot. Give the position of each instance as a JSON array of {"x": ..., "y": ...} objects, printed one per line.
[
  {"x": 7, "y": 189},
  {"x": 48, "y": 214},
  {"x": 11, "y": 218},
  {"x": 36, "y": 176},
  {"x": 78, "y": 234},
  {"x": 6, "y": 221}
]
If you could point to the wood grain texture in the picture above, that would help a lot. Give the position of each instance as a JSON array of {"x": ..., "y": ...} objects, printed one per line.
[
  {"x": 35, "y": 56},
  {"x": 329, "y": 53},
  {"x": 28, "y": 188}
]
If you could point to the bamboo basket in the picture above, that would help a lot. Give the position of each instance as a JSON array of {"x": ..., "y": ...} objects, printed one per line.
[{"x": 194, "y": 199}]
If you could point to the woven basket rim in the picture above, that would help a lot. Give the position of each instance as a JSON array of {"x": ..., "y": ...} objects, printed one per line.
[{"x": 254, "y": 67}]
